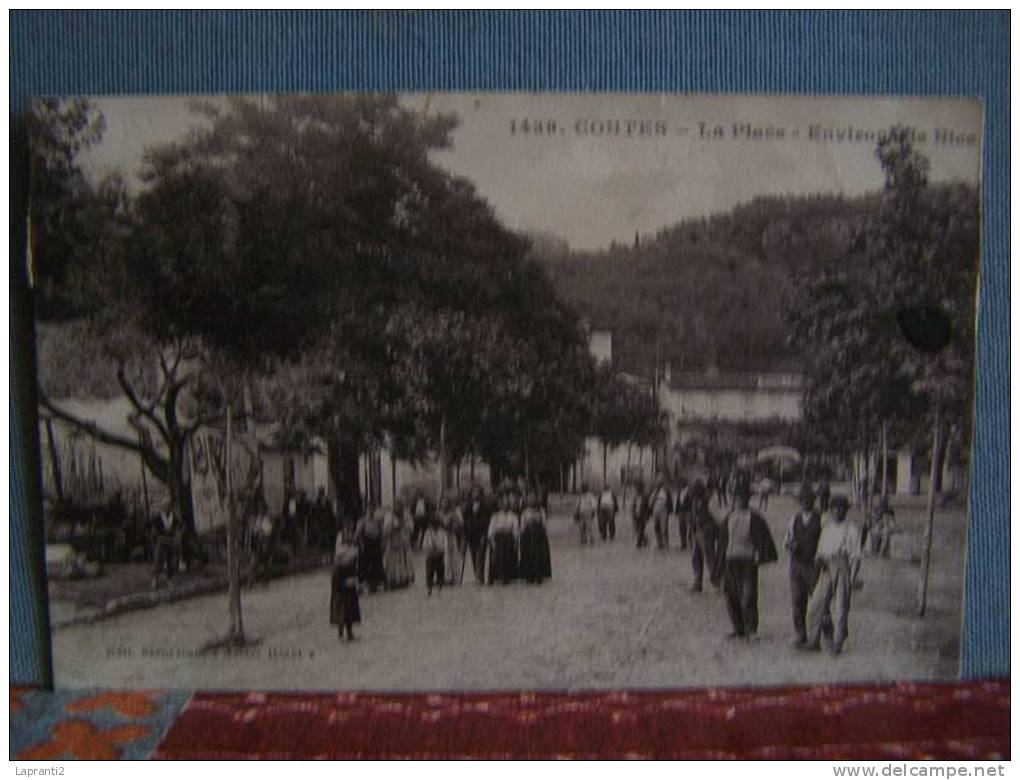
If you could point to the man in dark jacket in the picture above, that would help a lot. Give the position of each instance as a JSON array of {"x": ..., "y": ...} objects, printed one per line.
[
  {"x": 476, "y": 515},
  {"x": 802, "y": 543},
  {"x": 747, "y": 543}
]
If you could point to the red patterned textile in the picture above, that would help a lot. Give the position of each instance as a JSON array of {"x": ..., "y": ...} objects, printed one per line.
[{"x": 889, "y": 722}]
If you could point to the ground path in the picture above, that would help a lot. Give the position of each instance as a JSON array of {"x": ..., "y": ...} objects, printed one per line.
[{"x": 612, "y": 616}]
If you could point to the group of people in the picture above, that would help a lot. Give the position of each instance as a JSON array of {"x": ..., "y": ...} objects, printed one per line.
[
  {"x": 507, "y": 541},
  {"x": 599, "y": 511},
  {"x": 824, "y": 547}
]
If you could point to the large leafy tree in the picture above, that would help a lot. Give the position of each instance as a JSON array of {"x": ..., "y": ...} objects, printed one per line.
[{"x": 869, "y": 321}]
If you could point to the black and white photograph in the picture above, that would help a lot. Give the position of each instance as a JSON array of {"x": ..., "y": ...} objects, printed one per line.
[{"x": 504, "y": 391}]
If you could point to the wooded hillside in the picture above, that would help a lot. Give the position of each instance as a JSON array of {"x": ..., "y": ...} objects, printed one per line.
[{"x": 707, "y": 290}]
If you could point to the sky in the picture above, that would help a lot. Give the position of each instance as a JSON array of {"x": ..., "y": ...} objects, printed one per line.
[{"x": 619, "y": 164}]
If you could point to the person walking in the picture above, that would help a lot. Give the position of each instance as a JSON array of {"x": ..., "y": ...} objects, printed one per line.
[
  {"x": 397, "y": 561},
  {"x": 801, "y": 541},
  {"x": 434, "y": 543},
  {"x": 641, "y": 510},
  {"x": 682, "y": 509},
  {"x": 838, "y": 555},
  {"x": 535, "y": 561},
  {"x": 662, "y": 507},
  {"x": 705, "y": 544},
  {"x": 503, "y": 531},
  {"x": 720, "y": 487},
  {"x": 421, "y": 514},
  {"x": 368, "y": 536},
  {"x": 476, "y": 531},
  {"x": 344, "y": 607},
  {"x": 584, "y": 515},
  {"x": 608, "y": 507},
  {"x": 765, "y": 488},
  {"x": 748, "y": 544}
]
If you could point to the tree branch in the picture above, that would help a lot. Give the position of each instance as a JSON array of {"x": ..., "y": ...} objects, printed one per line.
[
  {"x": 157, "y": 464},
  {"x": 145, "y": 410}
]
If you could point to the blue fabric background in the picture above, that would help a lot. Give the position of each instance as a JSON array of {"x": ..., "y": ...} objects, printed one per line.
[{"x": 951, "y": 53}]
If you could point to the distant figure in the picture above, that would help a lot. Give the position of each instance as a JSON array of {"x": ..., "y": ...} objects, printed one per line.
[
  {"x": 344, "y": 608},
  {"x": 720, "y": 487},
  {"x": 421, "y": 512},
  {"x": 476, "y": 530},
  {"x": 735, "y": 484},
  {"x": 397, "y": 561},
  {"x": 705, "y": 554},
  {"x": 324, "y": 522},
  {"x": 584, "y": 515},
  {"x": 503, "y": 531},
  {"x": 801, "y": 541},
  {"x": 452, "y": 522},
  {"x": 535, "y": 561},
  {"x": 682, "y": 509},
  {"x": 641, "y": 510},
  {"x": 882, "y": 529},
  {"x": 839, "y": 552},
  {"x": 608, "y": 507},
  {"x": 262, "y": 544},
  {"x": 662, "y": 507},
  {"x": 824, "y": 495},
  {"x": 765, "y": 488},
  {"x": 747, "y": 543},
  {"x": 434, "y": 543},
  {"x": 368, "y": 536},
  {"x": 166, "y": 534}
]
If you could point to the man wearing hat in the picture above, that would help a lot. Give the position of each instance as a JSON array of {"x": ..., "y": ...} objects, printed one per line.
[
  {"x": 801, "y": 541},
  {"x": 747, "y": 543},
  {"x": 839, "y": 553}
]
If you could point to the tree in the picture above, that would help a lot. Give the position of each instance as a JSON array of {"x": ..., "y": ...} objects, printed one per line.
[
  {"x": 60, "y": 233},
  {"x": 866, "y": 318}
]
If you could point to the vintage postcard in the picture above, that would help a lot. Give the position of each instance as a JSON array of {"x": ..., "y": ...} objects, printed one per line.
[{"x": 476, "y": 391}]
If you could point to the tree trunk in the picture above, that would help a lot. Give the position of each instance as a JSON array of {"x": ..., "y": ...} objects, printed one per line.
[
  {"x": 605, "y": 460},
  {"x": 885, "y": 459},
  {"x": 180, "y": 490},
  {"x": 58, "y": 477},
  {"x": 626, "y": 482},
  {"x": 939, "y": 482},
  {"x": 442, "y": 457},
  {"x": 235, "y": 633},
  {"x": 393, "y": 478},
  {"x": 947, "y": 461},
  {"x": 527, "y": 464},
  {"x": 936, "y": 447},
  {"x": 342, "y": 456},
  {"x": 145, "y": 491}
]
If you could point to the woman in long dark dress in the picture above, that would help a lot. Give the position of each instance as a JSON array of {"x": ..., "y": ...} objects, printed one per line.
[
  {"x": 535, "y": 561},
  {"x": 368, "y": 537},
  {"x": 503, "y": 543},
  {"x": 344, "y": 608}
]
